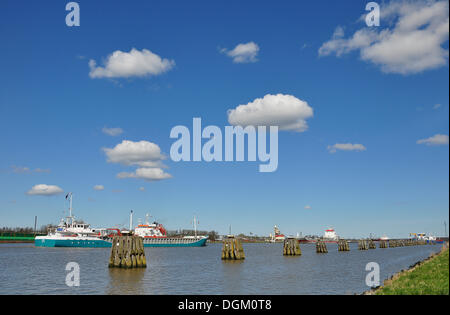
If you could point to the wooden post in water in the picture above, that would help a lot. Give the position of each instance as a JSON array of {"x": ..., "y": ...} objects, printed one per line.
[
  {"x": 343, "y": 246},
  {"x": 362, "y": 245},
  {"x": 232, "y": 249},
  {"x": 321, "y": 247},
  {"x": 393, "y": 243},
  {"x": 383, "y": 244},
  {"x": 291, "y": 247},
  {"x": 127, "y": 252},
  {"x": 372, "y": 245}
]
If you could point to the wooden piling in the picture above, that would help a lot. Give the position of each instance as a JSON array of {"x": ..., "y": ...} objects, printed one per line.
[
  {"x": 232, "y": 249},
  {"x": 127, "y": 252},
  {"x": 372, "y": 245},
  {"x": 291, "y": 247},
  {"x": 343, "y": 246},
  {"x": 362, "y": 245},
  {"x": 321, "y": 247}
]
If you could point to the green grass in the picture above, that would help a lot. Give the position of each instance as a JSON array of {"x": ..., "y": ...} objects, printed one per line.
[{"x": 430, "y": 278}]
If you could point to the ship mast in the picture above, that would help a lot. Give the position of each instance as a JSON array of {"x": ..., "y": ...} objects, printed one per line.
[
  {"x": 70, "y": 217},
  {"x": 195, "y": 226}
]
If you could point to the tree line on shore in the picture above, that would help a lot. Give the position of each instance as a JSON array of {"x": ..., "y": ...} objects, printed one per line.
[{"x": 26, "y": 230}]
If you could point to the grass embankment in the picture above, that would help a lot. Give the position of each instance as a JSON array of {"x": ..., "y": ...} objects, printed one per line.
[{"x": 427, "y": 278}]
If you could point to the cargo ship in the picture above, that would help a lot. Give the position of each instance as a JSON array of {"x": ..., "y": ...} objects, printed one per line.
[
  {"x": 71, "y": 233},
  {"x": 329, "y": 236},
  {"x": 277, "y": 236}
]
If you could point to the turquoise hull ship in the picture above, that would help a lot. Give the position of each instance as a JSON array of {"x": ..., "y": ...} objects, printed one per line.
[
  {"x": 71, "y": 233},
  {"x": 91, "y": 242}
]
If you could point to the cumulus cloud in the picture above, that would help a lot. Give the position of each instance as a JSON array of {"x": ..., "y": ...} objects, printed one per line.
[
  {"x": 285, "y": 111},
  {"x": 130, "y": 64},
  {"x": 243, "y": 53},
  {"x": 142, "y": 153},
  {"x": 112, "y": 131},
  {"x": 45, "y": 190},
  {"x": 148, "y": 174},
  {"x": 346, "y": 147},
  {"x": 435, "y": 140},
  {"x": 99, "y": 187},
  {"x": 411, "y": 43},
  {"x": 145, "y": 154}
]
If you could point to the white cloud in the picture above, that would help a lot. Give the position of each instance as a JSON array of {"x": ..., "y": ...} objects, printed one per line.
[
  {"x": 40, "y": 170},
  {"x": 243, "y": 53},
  {"x": 435, "y": 140},
  {"x": 436, "y": 106},
  {"x": 142, "y": 188},
  {"x": 99, "y": 187},
  {"x": 346, "y": 147},
  {"x": 45, "y": 190},
  {"x": 20, "y": 169},
  {"x": 145, "y": 154},
  {"x": 142, "y": 153},
  {"x": 112, "y": 131},
  {"x": 24, "y": 169},
  {"x": 307, "y": 207},
  {"x": 412, "y": 45},
  {"x": 148, "y": 174},
  {"x": 285, "y": 111},
  {"x": 130, "y": 64}
]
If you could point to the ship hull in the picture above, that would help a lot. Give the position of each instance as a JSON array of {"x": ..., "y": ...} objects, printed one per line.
[
  {"x": 70, "y": 242},
  {"x": 99, "y": 243}
]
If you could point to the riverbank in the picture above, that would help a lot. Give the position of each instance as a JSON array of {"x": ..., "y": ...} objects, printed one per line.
[{"x": 428, "y": 277}]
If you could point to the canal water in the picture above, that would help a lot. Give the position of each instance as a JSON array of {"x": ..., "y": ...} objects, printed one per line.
[{"x": 26, "y": 269}]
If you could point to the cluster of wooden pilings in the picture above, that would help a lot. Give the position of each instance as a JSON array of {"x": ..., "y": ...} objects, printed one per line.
[
  {"x": 414, "y": 242},
  {"x": 363, "y": 245},
  {"x": 409, "y": 242},
  {"x": 321, "y": 247},
  {"x": 127, "y": 252},
  {"x": 343, "y": 246},
  {"x": 372, "y": 244},
  {"x": 396, "y": 243},
  {"x": 291, "y": 247},
  {"x": 232, "y": 249},
  {"x": 383, "y": 244}
]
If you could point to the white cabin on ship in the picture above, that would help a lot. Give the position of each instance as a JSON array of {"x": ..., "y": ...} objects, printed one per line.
[{"x": 330, "y": 235}]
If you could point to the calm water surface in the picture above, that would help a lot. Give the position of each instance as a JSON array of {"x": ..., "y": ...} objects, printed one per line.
[{"x": 26, "y": 269}]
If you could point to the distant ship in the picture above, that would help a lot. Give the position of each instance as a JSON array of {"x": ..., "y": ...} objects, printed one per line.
[
  {"x": 329, "y": 236},
  {"x": 155, "y": 235},
  {"x": 277, "y": 236},
  {"x": 427, "y": 238},
  {"x": 71, "y": 233}
]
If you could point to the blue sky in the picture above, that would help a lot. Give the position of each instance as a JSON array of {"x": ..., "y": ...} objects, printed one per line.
[{"x": 52, "y": 112}]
